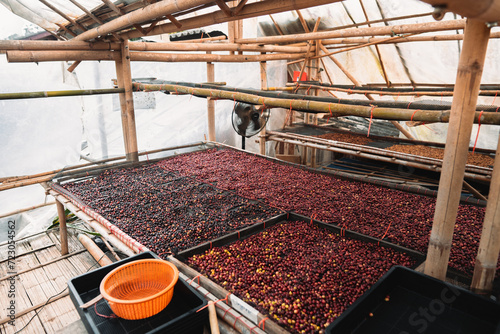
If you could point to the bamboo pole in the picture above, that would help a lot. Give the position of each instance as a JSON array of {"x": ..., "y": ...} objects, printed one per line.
[
  {"x": 27, "y": 180},
  {"x": 248, "y": 11},
  {"x": 357, "y": 83},
  {"x": 147, "y": 13},
  {"x": 326, "y": 147},
  {"x": 63, "y": 229},
  {"x": 171, "y": 57},
  {"x": 463, "y": 109},
  {"x": 131, "y": 133},
  {"x": 489, "y": 245},
  {"x": 211, "y": 104},
  {"x": 263, "y": 86},
  {"x": 15, "y": 212},
  {"x": 56, "y": 45},
  {"x": 360, "y": 32},
  {"x": 429, "y": 162},
  {"x": 423, "y": 38},
  {"x": 94, "y": 250},
  {"x": 58, "y": 93},
  {"x": 44, "y": 56},
  {"x": 320, "y": 107}
]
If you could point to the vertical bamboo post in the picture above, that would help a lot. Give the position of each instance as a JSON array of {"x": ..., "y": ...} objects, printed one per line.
[
  {"x": 489, "y": 246},
  {"x": 124, "y": 79},
  {"x": 63, "y": 229},
  {"x": 463, "y": 108},
  {"x": 263, "y": 85},
  {"x": 123, "y": 105},
  {"x": 211, "y": 103},
  {"x": 132, "y": 154}
]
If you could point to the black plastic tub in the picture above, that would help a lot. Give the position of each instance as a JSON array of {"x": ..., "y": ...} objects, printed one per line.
[
  {"x": 180, "y": 316},
  {"x": 404, "y": 301}
]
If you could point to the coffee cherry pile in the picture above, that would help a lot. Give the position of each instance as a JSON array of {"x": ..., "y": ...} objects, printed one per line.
[
  {"x": 300, "y": 274},
  {"x": 167, "y": 212},
  {"x": 400, "y": 217}
]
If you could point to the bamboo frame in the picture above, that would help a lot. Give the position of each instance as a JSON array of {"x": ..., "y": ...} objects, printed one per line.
[
  {"x": 263, "y": 85},
  {"x": 147, "y": 13},
  {"x": 130, "y": 134},
  {"x": 457, "y": 146},
  {"x": 63, "y": 229},
  {"x": 481, "y": 10},
  {"x": 248, "y": 11},
  {"x": 60, "y": 93},
  {"x": 319, "y": 107}
]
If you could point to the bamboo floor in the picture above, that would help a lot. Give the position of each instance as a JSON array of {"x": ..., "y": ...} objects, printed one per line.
[{"x": 42, "y": 273}]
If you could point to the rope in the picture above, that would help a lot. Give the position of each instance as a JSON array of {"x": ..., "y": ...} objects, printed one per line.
[
  {"x": 478, "y": 128},
  {"x": 371, "y": 120}
]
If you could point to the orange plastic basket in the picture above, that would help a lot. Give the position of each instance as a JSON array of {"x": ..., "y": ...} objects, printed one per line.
[{"x": 140, "y": 289}]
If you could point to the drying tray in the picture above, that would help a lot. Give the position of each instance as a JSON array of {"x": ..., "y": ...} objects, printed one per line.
[
  {"x": 406, "y": 301},
  {"x": 180, "y": 316}
]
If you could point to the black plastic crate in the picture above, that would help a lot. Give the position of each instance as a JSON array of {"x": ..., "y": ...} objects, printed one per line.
[
  {"x": 180, "y": 316},
  {"x": 406, "y": 301}
]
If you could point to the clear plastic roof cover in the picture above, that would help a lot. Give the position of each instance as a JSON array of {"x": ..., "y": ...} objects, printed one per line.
[{"x": 46, "y": 134}]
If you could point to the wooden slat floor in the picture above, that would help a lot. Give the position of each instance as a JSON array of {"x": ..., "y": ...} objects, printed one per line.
[{"x": 42, "y": 273}]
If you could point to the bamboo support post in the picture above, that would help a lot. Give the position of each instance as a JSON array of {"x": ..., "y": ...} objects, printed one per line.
[
  {"x": 63, "y": 229},
  {"x": 211, "y": 104},
  {"x": 463, "y": 109},
  {"x": 221, "y": 293},
  {"x": 131, "y": 134},
  {"x": 212, "y": 314},
  {"x": 94, "y": 250},
  {"x": 489, "y": 245},
  {"x": 263, "y": 86}
]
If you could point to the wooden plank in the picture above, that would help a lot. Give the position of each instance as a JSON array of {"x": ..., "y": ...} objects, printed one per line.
[{"x": 37, "y": 286}]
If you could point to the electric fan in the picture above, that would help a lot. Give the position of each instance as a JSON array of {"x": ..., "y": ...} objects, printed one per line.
[{"x": 248, "y": 121}]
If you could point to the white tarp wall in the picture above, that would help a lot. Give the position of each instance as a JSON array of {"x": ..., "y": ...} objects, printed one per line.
[{"x": 47, "y": 134}]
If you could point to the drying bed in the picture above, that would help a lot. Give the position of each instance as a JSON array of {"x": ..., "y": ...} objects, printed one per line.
[
  {"x": 301, "y": 274},
  {"x": 399, "y": 217},
  {"x": 165, "y": 211}
]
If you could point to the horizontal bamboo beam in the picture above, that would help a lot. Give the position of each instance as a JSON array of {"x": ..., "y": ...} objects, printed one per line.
[
  {"x": 142, "y": 46},
  {"x": 423, "y": 38},
  {"x": 334, "y": 109},
  {"x": 59, "y": 93},
  {"x": 325, "y": 147},
  {"x": 15, "y": 212},
  {"x": 360, "y": 32},
  {"x": 56, "y": 45},
  {"x": 147, "y": 13},
  {"x": 248, "y": 11},
  {"x": 26, "y": 180},
  {"x": 44, "y": 56}
]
